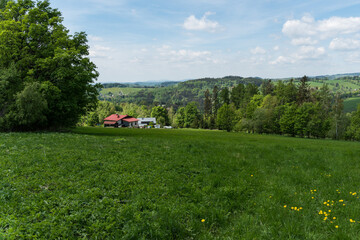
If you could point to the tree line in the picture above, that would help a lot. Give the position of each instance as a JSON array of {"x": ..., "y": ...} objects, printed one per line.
[{"x": 283, "y": 108}]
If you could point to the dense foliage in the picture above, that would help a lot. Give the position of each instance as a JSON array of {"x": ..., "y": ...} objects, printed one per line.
[
  {"x": 45, "y": 75},
  {"x": 177, "y": 95},
  {"x": 286, "y": 107}
]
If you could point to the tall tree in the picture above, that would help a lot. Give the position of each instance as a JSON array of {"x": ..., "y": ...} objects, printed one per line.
[
  {"x": 207, "y": 104},
  {"x": 180, "y": 117},
  {"x": 303, "y": 91},
  {"x": 161, "y": 115},
  {"x": 36, "y": 47},
  {"x": 215, "y": 101},
  {"x": 225, "y": 118},
  {"x": 338, "y": 110},
  {"x": 267, "y": 87},
  {"x": 225, "y": 96},
  {"x": 192, "y": 118},
  {"x": 237, "y": 95}
]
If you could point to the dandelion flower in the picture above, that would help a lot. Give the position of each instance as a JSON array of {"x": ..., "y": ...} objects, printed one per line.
[
  {"x": 285, "y": 206},
  {"x": 202, "y": 220},
  {"x": 334, "y": 218},
  {"x": 336, "y": 226},
  {"x": 341, "y": 200}
]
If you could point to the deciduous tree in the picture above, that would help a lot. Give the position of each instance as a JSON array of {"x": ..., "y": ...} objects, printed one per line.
[{"x": 35, "y": 47}]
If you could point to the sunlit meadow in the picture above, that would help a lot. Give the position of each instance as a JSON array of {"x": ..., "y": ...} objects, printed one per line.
[{"x": 96, "y": 183}]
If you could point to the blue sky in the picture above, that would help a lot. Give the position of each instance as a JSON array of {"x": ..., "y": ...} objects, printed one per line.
[{"x": 143, "y": 40}]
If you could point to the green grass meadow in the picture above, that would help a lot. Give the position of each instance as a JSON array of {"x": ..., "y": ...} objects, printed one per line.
[
  {"x": 350, "y": 104},
  {"x": 117, "y": 91},
  {"x": 96, "y": 183}
]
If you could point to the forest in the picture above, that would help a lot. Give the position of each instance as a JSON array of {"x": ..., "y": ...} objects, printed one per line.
[{"x": 283, "y": 107}]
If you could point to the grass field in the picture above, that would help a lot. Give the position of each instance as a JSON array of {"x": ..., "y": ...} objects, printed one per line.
[
  {"x": 117, "y": 91},
  {"x": 350, "y": 104},
  {"x": 96, "y": 183},
  {"x": 344, "y": 86}
]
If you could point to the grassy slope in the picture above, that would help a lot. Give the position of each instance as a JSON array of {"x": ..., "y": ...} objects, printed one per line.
[
  {"x": 159, "y": 184},
  {"x": 117, "y": 90},
  {"x": 350, "y": 104}
]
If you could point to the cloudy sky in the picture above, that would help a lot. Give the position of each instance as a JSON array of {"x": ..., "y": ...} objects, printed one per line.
[{"x": 143, "y": 40}]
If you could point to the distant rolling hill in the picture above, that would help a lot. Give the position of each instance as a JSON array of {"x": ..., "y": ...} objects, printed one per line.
[{"x": 179, "y": 93}]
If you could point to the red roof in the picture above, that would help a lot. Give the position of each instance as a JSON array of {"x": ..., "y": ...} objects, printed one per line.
[
  {"x": 115, "y": 117},
  {"x": 131, "y": 119},
  {"x": 109, "y": 122}
]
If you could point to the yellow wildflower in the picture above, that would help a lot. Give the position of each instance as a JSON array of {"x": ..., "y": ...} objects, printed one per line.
[
  {"x": 285, "y": 206},
  {"x": 341, "y": 200},
  {"x": 336, "y": 226},
  {"x": 334, "y": 218},
  {"x": 202, "y": 220}
]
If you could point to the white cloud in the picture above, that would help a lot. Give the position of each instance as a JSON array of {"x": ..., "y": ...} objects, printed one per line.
[
  {"x": 304, "y": 53},
  {"x": 323, "y": 29},
  {"x": 282, "y": 60},
  {"x": 344, "y": 44},
  {"x": 95, "y": 38},
  {"x": 183, "y": 55},
  {"x": 203, "y": 24},
  {"x": 98, "y": 51},
  {"x": 310, "y": 52},
  {"x": 276, "y": 48},
  {"x": 303, "y": 41},
  {"x": 258, "y": 50}
]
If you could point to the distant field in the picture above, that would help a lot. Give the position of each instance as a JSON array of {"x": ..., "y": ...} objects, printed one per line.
[
  {"x": 96, "y": 183},
  {"x": 343, "y": 85},
  {"x": 350, "y": 104},
  {"x": 116, "y": 91}
]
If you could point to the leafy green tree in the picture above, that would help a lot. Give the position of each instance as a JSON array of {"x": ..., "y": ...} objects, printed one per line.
[
  {"x": 267, "y": 88},
  {"x": 31, "y": 107},
  {"x": 339, "y": 125},
  {"x": 215, "y": 101},
  {"x": 286, "y": 93},
  {"x": 303, "y": 94},
  {"x": 225, "y": 118},
  {"x": 254, "y": 103},
  {"x": 237, "y": 95},
  {"x": 225, "y": 96},
  {"x": 180, "y": 117},
  {"x": 303, "y": 116},
  {"x": 192, "y": 117},
  {"x": 353, "y": 132},
  {"x": 250, "y": 91},
  {"x": 3, "y": 4},
  {"x": 36, "y": 47},
  {"x": 161, "y": 115},
  {"x": 287, "y": 120},
  {"x": 207, "y": 104}
]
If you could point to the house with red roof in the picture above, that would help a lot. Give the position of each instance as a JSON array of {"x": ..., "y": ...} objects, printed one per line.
[{"x": 116, "y": 120}]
